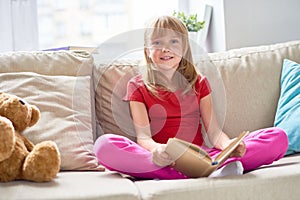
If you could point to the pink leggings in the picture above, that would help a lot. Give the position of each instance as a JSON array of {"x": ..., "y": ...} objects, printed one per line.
[{"x": 120, "y": 154}]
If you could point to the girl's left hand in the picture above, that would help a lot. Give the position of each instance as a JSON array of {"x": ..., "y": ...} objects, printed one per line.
[{"x": 239, "y": 151}]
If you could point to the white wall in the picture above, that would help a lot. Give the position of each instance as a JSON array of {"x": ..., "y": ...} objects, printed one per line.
[
  {"x": 257, "y": 22},
  {"x": 216, "y": 35},
  {"x": 241, "y": 23}
]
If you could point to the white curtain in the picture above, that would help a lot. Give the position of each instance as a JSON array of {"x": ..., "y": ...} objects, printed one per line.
[{"x": 18, "y": 22}]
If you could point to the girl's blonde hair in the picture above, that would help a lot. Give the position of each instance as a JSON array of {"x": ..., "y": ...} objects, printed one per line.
[{"x": 186, "y": 71}]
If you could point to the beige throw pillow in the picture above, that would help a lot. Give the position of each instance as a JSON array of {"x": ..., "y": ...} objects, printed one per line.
[
  {"x": 112, "y": 112},
  {"x": 65, "y": 104},
  {"x": 55, "y": 63}
]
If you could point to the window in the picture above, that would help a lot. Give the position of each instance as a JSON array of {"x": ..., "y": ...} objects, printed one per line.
[
  {"x": 91, "y": 22},
  {"x": 61, "y": 23}
]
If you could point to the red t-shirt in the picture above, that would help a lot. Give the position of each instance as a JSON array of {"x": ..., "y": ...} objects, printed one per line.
[{"x": 173, "y": 114}]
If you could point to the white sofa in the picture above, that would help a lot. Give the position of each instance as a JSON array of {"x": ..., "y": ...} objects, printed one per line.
[{"x": 80, "y": 100}]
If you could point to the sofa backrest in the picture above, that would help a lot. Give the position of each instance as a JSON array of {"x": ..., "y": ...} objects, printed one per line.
[
  {"x": 75, "y": 63},
  {"x": 60, "y": 84},
  {"x": 245, "y": 84},
  {"x": 110, "y": 84}
]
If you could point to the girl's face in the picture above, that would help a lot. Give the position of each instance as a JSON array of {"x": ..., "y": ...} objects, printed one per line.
[{"x": 166, "y": 52}]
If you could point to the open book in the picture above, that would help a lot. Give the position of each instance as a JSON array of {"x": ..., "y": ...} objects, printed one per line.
[{"x": 193, "y": 161}]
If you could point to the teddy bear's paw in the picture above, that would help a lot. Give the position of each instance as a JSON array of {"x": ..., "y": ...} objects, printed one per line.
[
  {"x": 7, "y": 138},
  {"x": 43, "y": 162}
]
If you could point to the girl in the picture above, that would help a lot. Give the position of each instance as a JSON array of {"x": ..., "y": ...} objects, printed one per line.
[{"x": 168, "y": 102}]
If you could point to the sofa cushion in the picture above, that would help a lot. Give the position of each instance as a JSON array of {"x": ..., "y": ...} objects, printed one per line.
[
  {"x": 65, "y": 105},
  {"x": 73, "y": 185},
  {"x": 66, "y": 63},
  {"x": 112, "y": 112},
  {"x": 250, "y": 79},
  {"x": 245, "y": 87},
  {"x": 288, "y": 109},
  {"x": 278, "y": 181}
]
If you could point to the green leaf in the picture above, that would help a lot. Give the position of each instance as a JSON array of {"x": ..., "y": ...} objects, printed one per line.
[{"x": 191, "y": 22}]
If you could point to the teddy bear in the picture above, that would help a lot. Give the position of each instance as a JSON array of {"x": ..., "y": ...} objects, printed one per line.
[{"x": 20, "y": 159}]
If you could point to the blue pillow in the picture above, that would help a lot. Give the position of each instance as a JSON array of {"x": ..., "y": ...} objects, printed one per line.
[{"x": 288, "y": 110}]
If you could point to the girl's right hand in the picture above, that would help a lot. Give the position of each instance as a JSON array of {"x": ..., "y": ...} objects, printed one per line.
[{"x": 160, "y": 157}]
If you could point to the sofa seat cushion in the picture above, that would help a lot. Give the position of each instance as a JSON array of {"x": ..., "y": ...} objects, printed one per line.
[
  {"x": 73, "y": 185},
  {"x": 280, "y": 180}
]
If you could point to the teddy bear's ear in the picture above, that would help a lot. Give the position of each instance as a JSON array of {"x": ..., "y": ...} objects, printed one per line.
[{"x": 35, "y": 115}]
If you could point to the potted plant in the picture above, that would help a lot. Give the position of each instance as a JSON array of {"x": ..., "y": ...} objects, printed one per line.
[
  {"x": 191, "y": 22},
  {"x": 193, "y": 26}
]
